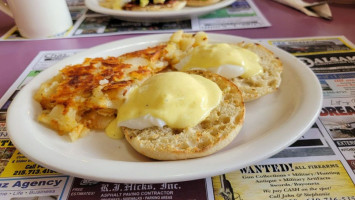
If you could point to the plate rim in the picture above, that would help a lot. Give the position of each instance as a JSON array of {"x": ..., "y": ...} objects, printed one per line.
[{"x": 315, "y": 97}]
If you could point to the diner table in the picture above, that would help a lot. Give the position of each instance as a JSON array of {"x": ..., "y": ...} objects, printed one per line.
[{"x": 318, "y": 179}]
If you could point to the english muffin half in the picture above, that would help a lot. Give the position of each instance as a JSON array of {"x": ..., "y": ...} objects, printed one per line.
[
  {"x": 263, "y": 83},
  {"x": 209, "y": 136}
]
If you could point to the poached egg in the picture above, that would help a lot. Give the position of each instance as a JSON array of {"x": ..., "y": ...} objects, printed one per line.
[
  {"x": 224, "y": 59},
  {"x": 175, "y": 99}
]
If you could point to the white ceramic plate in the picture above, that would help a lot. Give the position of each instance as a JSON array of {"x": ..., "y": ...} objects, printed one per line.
[
  {"x": 185, "y": 13},
  {"x": 272, "y": 123}
]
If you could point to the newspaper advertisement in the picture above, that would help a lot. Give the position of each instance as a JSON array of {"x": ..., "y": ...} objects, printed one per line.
[
  {"x": 241, "y": 14},
  {"x": 318, "y": 166}
]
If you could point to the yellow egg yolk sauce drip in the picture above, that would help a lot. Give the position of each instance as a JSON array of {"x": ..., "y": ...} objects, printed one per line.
[
  {"x": 181, "y": 100},
  {"x": 215, "y": 55}
]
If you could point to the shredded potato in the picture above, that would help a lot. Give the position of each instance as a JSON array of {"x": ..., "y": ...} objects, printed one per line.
[{"x": 86, "y": 96}]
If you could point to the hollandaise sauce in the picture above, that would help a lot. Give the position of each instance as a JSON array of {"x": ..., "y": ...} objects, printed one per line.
[
  {"x": 179, "y": 99},
  {"x": 216, "y": 55}
]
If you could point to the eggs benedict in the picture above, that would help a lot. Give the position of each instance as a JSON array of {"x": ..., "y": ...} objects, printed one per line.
[
  {"x": 193, "y": 114},
  {"x": 251, "y": 66}
]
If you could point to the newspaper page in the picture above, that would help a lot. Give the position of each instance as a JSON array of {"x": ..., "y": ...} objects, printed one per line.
[
  {"x": 241, "y": 14},
  {"x": 318, "y": 166}
]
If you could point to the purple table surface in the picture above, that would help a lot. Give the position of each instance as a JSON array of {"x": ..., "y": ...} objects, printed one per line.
[{"x": 285, "y": 21}]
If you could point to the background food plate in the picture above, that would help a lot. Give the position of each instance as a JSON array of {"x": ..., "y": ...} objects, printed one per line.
[
  {"x": 185, "y": 13},
  {"x": 272, "y": 123}
]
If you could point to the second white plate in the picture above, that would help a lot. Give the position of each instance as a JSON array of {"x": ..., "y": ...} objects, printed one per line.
[
  {"x": 272, "y": 123},
  {"x": 185, "y": 13}
]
